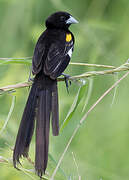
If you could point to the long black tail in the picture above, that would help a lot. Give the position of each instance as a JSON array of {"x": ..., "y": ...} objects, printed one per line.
[
  {"x": 47, "y": 105},
  {"x": 41, "y": 103},
  {"x": 26, "y": 128}
]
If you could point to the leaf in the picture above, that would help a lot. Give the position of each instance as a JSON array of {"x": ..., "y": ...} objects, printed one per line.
[
  {"x": 9, "y": 114},
  {"x": 74, "y": 106},
  {"x": 90, "y": 87}
]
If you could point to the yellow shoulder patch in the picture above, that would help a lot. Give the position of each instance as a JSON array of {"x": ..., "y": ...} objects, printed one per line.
[{"x": 68, "y": 37}]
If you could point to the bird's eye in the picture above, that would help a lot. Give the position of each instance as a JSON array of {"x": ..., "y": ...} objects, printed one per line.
[{"x": 62, "y": 18}]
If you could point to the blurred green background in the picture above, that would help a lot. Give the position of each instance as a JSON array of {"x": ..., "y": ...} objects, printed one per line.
[{"x": 101, "y": 146}]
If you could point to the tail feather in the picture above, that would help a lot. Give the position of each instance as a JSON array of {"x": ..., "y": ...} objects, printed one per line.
[
  {"x": 55, "y": 112},
  {"x": 26, "y": 128},
  {"x": 41, "y": 103},
  {"x": 42, "y": 131}
]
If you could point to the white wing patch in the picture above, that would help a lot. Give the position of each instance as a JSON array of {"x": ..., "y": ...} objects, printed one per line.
[{"x": 70, "y": 52}]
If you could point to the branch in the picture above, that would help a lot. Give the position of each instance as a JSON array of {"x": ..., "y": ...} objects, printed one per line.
[
  {"x": 92, "y": 65},
  {"x": 123, "y": 67},
  {"x": 12, "y": 88},
  {"x": 25, "y": 60}
]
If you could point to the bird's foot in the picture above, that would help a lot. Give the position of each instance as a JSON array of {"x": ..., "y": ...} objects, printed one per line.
[
  {"x": 67, "y": 81},
  {"x": 30, "y": 79}
]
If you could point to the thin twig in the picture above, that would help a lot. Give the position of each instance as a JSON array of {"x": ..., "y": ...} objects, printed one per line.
[
  {"x": 115, "y": 90},
  {"x": 106, "y": 92},
  {"x": 71, "y": 63},
  {"x": 65, "y": 150},
  {"x": 30, "y": 161},
  {"x": 83, "y": 119},
  {"x": 9, "y": 114},
  {"x": 79, "y": 177},
  {"x": 23, "y": 58},
  {"x": 11, "y": 88},
  {"x": 92, "y": 65},
  {"x": 123, "y": 67}
]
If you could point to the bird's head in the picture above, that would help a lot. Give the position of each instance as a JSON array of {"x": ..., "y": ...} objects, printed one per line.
[{"x": 60, "y": 20}]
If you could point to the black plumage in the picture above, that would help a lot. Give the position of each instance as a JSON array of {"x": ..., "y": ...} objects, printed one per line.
[{"x": 51, "y": 57}]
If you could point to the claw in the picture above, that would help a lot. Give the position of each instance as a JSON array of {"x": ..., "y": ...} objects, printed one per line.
[
  {"x": 31, "y": 79},
  {"x": 67, "y": 82}
]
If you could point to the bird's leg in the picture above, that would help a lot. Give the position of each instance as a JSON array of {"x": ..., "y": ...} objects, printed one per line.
[
  {"x": 30, "y": 79},
  {"x": 67, "y": 82}
]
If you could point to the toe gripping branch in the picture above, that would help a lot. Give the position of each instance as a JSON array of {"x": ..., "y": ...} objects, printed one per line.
[{"x": 67, "y": 81}]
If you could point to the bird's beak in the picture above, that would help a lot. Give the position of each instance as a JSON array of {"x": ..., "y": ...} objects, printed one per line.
[{"x": 71, "y": 20}]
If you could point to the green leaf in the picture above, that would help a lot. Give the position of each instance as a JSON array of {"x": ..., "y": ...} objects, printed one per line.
[
  {"x": 74, "y": 106},
  {"x": 9, "y": 114},
  {"x": 90, "y": 87}
]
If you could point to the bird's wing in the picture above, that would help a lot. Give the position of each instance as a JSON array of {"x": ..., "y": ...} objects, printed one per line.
[
  {"x": 57, "y": 59},
  {"x": 38, "y": 55}
]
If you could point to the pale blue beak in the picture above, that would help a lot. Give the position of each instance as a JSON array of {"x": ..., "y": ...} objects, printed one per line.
[{"x": 71, "y": 20}]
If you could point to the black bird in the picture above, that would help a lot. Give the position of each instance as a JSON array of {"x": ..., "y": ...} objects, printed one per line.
[{"x": 51, "y": 57}]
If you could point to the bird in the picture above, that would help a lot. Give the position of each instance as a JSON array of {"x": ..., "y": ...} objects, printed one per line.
[{"x": 51, "y": 56}]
